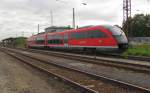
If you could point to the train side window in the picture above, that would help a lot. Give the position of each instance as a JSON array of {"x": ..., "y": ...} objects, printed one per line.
[
  {"x": 52, "y": 41},
  {"x": 88, "y": 34},
  {"x": 73, "y": 35},
  {"x": 55, "y": 39},
  {"x": 96, "y": 34},
  {"x": 39, "y": 40},
  {"x": 59, "y": 41},
  {"x": 84, "y": 35},
  {"x": 49, "y": 41},
  {"x": 79, "y": 35}
]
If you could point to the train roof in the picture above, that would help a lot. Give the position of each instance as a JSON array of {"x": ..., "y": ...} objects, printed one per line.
[{"x": 68, "y": 30}]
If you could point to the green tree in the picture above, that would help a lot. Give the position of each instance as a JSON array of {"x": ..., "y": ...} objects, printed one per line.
[
  {"x": 139, "y": 26},
  {"x": 20, "y": 42}
]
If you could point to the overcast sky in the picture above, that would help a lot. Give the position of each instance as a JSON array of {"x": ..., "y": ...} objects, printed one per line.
[{"x": 21, "y": 17}]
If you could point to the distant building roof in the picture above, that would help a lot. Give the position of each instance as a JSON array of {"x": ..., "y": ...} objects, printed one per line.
[
  {"x": 11, "y": 38},
  {"x": 57, "y": 29}
]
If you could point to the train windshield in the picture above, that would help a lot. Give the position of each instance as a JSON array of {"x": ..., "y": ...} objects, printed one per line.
[{"x": 117, "y": 33}]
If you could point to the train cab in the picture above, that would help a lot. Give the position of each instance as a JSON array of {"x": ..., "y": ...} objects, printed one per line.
[{"x": 119, "y": 36}]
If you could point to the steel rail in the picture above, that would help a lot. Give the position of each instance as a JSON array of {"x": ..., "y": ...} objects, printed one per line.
[
  {"x": 129, "y": 66},
  {"x": 105, "y": 54},
  {"x": 117, "y": 82},
  {"x": 131, "y": 57},
  {"x": 82, "y": 88}
]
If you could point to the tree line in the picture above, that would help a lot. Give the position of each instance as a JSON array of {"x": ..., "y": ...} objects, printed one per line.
[{"x": 138, "y": 26}]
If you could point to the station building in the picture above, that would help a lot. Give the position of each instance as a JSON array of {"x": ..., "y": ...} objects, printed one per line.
[
  {"x": 8, "y": 42},
  {"x": 56, "y": 29}
]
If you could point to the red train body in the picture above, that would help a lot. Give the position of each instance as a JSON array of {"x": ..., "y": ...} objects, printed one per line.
[{"x": 95, "y": 37}]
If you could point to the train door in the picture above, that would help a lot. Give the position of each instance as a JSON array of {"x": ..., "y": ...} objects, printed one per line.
[
  {"x": 45, "y": 40},
  {"x": 66, "y": 39}
]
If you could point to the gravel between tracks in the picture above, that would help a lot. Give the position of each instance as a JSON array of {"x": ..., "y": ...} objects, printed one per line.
[
  {"x": 17, "y": 77},
  {"x": 119, "y": 74},
  {"x": 103, "y": 87}
]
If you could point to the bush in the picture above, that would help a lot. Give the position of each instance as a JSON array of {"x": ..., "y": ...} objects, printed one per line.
[
  {"x": 20, "y": 42},
  {"x": 138, "y": 50}
]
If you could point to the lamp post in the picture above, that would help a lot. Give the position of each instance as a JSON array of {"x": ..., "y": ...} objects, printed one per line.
[
  {"x": 73, "y": 21},
  {"x": 38, "y": 29},
  {"x": 51, "y": 14},
  {"x": 73, "y": 15}
]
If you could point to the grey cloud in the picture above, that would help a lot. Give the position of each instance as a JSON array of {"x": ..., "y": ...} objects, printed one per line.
[{"x": 24, "y": 15}]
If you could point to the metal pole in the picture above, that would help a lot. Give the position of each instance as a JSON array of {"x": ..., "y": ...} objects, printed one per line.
[
  {"x": 127, "y": 15},
  {"x": 38, "y": 28},
  {"x": 73, "y": 21},
  {"x": 51, "y": 18}
]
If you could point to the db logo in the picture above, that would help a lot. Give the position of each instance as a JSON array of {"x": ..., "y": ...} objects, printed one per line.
[
  {"x": 82, "y": 42},
  {"x": 100, "y": 41}
]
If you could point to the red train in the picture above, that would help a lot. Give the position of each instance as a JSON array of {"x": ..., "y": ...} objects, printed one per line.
[{"x": 102, "y": 37}]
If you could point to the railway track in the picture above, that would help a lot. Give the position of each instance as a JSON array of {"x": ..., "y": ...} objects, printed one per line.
[
  {"x": 139, "y": 58},
  {"x": 108, "y": 54},
  {"x": 85, "y": 81},
  {"x": 134, "y": 66}
]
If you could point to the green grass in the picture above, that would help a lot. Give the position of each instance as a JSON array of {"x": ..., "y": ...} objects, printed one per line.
[{"x": 138, "y": 50}]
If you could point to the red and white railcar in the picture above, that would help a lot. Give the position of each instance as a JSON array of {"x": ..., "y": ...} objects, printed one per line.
[{"x": 95, "y": 37}]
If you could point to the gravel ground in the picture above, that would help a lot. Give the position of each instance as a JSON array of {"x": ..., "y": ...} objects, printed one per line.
[
  {"x": 17, "y": 77},
  {"x": 119, "y": 74}
]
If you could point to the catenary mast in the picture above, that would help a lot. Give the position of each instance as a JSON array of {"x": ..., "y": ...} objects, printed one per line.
[
  {"x": 126, "y": 16},
  {"x": 126, "y": 10}
]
